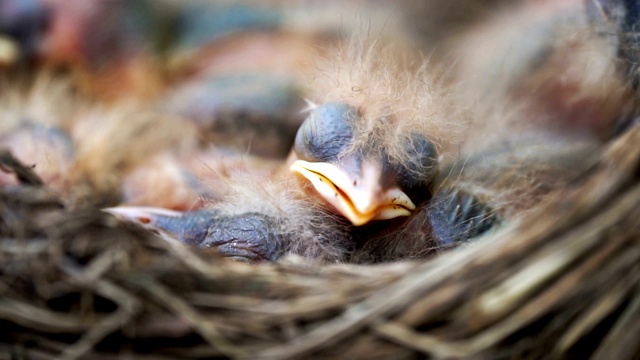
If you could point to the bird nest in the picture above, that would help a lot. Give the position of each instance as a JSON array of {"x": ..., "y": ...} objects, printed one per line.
[{"x": 562, "y": 282}]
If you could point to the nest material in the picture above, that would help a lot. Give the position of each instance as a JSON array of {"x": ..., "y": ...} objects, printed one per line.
[{"x": 562, "y": 282}]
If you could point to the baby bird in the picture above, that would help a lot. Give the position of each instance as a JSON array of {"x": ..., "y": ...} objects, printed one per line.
[
  {"x": 363, "y": 170},
  {"x": 386, "y": 166},
  {"x": 354, "y": 160}
]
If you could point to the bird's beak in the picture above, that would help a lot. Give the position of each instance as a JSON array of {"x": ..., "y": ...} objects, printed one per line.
[
  {"x": 168, "y": 224},
  {"x": 359, "y": 199}
]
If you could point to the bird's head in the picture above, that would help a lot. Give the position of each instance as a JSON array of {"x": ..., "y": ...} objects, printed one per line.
[{"x": 364, "y": 172}]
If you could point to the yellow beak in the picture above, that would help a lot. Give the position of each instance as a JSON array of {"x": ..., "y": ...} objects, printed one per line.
[{"x": 359, "y": 200}]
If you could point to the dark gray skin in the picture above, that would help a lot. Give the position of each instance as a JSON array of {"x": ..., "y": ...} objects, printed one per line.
[
  {"x": 451, "y": 220},
  {"x": 250, "y": 236},
  {"x": 456, "y": 216}
]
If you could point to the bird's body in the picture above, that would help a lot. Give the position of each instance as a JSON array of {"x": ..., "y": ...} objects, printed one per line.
[{"x": 379, "y": 110}]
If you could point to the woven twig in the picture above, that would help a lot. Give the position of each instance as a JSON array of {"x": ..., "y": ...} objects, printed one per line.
[{"x": 562, "y": 282}]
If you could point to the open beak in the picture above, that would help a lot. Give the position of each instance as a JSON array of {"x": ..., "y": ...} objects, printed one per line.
[{"x": 359, "y": 199}]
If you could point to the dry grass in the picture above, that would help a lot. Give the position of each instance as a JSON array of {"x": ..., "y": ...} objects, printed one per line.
[{"x": 562, "y": 283}]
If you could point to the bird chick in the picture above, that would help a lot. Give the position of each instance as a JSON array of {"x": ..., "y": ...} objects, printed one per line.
[
  {"x": 367, "y": 153},
  {"x": 389, "y": 164}
]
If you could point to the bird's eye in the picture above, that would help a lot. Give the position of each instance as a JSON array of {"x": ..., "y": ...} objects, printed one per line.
[
  {"x": 420, "y": 165},
  {"x": 325, "y": 133}
]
